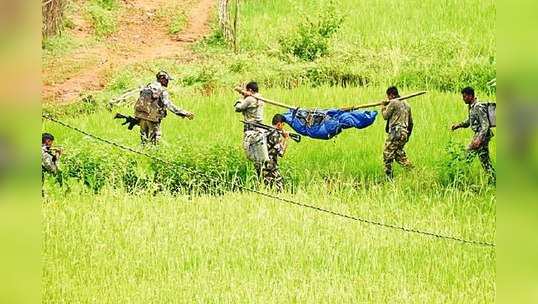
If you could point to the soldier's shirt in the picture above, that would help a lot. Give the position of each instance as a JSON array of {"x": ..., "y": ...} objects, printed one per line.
[
  {"x": 274, "y": 145},
  {"x": 478, "y": 121},
  {"x": 398, "y": 113},
  {"x": 49, "y": 160},
  {"x": 165, "y": 98},
  {"x": 251, "y": 108}
]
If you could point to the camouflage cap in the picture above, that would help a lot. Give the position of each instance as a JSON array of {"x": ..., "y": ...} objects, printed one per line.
[{"x": 164, "y": 74}]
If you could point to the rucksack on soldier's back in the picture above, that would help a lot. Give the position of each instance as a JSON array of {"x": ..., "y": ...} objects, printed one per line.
[
  {"x": 149, "y": 104},
  {"x": 491, "y": 108}
]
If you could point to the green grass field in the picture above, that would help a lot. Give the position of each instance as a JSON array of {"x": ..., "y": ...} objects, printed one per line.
[{"x": 124, "y": 228}]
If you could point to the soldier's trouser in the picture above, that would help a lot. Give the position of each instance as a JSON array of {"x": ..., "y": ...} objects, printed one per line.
[
  {"x": 485, "y": 160},
  {"x": 150, "y": 131},
  {"x": 271, "y": 175},
  {"x": 394, "y": 150},
  {"x": 255, "y": 145}
]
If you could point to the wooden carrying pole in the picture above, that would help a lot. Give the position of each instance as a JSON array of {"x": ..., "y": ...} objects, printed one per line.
[
  {"x": 378, "y": 103},
  {"x": 275, "y": 103}
]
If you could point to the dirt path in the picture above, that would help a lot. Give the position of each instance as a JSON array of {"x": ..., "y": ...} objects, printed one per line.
[{"x": 140, "y": 37}]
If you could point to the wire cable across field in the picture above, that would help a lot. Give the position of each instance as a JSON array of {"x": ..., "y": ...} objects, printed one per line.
[{"x": 272, "y": 196}]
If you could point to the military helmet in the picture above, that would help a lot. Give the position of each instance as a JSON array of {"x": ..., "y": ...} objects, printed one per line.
[{"x": 163, "y": 74}]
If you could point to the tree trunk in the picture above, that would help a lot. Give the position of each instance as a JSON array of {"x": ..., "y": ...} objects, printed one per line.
[
  {"x": 227, "y": 23},
  {"x": 53, "y": 13}
]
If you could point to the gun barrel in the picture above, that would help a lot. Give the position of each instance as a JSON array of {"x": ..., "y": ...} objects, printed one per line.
[{"x": 294, "y": 136}]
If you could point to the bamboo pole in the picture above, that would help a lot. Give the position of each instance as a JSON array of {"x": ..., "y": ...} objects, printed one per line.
[
  {"x": 368, "y": 105},
  {"x": 378, "y": 103},
  {"x": 275, "y": 103}
]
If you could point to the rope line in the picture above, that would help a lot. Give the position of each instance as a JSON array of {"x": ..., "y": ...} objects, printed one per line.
[{"x": 275, "y": 197}]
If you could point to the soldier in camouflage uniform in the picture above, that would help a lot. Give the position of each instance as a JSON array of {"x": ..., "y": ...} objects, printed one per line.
[
  {"x": 277, "y": 143},
  {"x": 399, "y": 126},
  {"x": 479, "y": 122},
  {"x": 152, "y": 112},
  {"x": 254, "y": 140},
  {"x": 50, "y": 157}
]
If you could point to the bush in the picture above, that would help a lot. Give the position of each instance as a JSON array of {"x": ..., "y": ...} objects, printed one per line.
[
  {"x": 102, "y": 19},
  {"x": 311, "y": 40},
  {"x": 177, "y": 23},
  {"x": 107, "y": 4},
  {"x": 454, "y": 169}
]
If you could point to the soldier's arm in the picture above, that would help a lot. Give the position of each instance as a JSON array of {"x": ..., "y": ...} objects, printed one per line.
[
  {"x": 387, "y": 111},
  {"x": 465, "y": 124},
  {"x": 48, "y": 163},
  {"x": 283, "y": 145},
  {"x": 242, "y": 104},
  {"x": 172, "y": 107}
]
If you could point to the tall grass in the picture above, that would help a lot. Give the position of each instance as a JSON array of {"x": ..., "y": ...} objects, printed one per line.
[
  {"x": 245, "y": 249},
  {"x": 355, "y": 156},
  {"x": 419, "y": 43}
]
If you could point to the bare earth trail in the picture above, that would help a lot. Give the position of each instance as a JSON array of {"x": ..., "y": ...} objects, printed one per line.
[{"x": 139, "y": 38}]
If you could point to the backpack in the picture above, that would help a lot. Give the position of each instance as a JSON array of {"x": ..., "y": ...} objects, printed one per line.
[
  {"x": 149, "y": 105},
  {"x": 491, "y": 107}
]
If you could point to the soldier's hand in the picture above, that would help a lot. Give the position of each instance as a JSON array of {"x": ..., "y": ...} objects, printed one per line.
[
  {"x": 189, "y": 115},
  {"x": 58, "y": 151},
  {"x": 475, "y": 143},
  {"x": 455, "y": 127}
]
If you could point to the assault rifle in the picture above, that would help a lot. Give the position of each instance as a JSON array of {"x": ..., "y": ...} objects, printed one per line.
[
  {"x": 131, "y": 121},
  {"x": 294, "y": 136}
]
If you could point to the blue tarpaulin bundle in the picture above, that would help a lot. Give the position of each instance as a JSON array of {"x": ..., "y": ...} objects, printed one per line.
[{"x": 326, "y": 124}]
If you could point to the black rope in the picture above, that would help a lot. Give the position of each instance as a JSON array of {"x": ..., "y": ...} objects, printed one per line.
[
  {"x": 127, "y": 148},
  {"x": 373, "y": 222},
  {"x": 354, "y": 218}
]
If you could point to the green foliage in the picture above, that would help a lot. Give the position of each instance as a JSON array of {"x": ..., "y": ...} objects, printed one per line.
[
  {"x": 214, "y": 40},
  {"x": 178, "y": 23},
  {"x": 92, "y": 170},
  {"x": 383, "y": 45},
  {"x": 242, "y": 248},
  {"x": 163, "y": 226},
  {"x": 102, "y": 17},
  {"x": 454, "y": 169},
  {"x": 57, "y": 45},
  {"x": 311, "y": 40},
  {"x": 106, "y": 4}
]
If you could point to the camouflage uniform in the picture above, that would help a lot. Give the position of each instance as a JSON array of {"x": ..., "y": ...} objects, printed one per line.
[
  {"x": 479, "y": 123},
  {"x": 276, "y": 147},
  {"x": 49, "y": 160},
  {"x": 150, "y": 125},
  {"x": 399, "y": 127},
  {"x": 254, "y": 141}
]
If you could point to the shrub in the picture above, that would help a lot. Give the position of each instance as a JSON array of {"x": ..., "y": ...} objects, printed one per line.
[
  {"x": 177, "y": 23},
  {"x": 311, "y": 40},
  {"x": 102, "y": 19},
  {"x": 454, "y": 168}
]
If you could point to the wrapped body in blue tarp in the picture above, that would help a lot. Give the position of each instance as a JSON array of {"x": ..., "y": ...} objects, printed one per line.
[{"x": 326, "y": 124}]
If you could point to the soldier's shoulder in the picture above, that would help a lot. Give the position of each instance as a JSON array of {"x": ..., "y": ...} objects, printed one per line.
[
  {"x": 479, "y": 106},
  {"x": 400, "y": 104},
  {"x": 251, "y": 99},
  {"x": 156, "y": 86}
]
